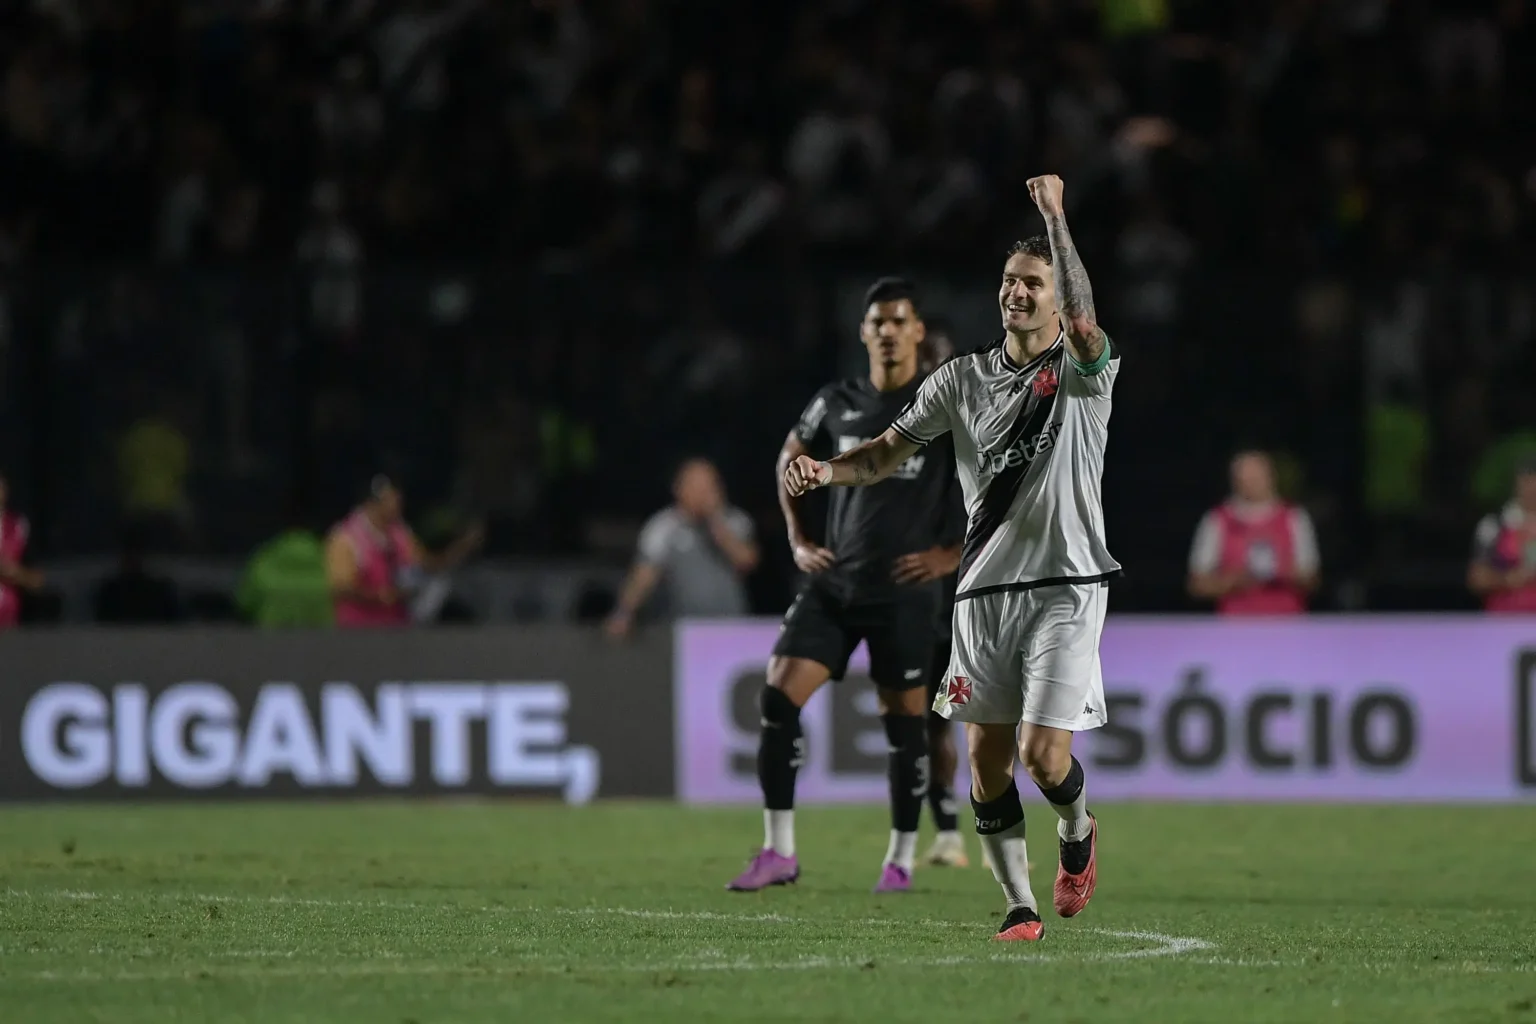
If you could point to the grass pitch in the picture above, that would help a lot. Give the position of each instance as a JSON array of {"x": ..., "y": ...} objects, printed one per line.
[{"x": 398, "y": 913}]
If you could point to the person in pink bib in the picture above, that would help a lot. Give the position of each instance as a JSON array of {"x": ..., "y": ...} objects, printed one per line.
[
  {"x": 1503, "y": 569},
  {"x": 1254, "y": 554},
  {"x": 14, "y": 577},
  {"x": 374, "y": 562}
]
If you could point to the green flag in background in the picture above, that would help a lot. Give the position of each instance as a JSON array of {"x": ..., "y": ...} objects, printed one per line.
[
  {"x": 1494, "y": 473},
  {"x": 1396, "y": 446},
  {"x": 285, "y": 583}
]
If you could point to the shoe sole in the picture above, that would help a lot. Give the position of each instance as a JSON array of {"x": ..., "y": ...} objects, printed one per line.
[{"x": 1029, "y": 931}]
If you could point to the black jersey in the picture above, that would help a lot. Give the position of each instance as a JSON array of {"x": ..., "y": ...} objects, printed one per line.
[{"x": 915, "y": 508}]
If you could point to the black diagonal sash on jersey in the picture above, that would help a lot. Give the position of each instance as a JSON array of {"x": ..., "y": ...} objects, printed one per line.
[{"x": 992, "y": 510}]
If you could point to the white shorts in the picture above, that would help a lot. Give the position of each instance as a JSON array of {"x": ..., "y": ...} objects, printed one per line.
[{"x": 1028, "y": 656}]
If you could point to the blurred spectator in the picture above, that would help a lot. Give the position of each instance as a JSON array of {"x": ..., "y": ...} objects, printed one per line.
[
  {"x": 153, "y": 460},
  {"x": 285, "y": 583},
  {"x": 1254, "y": 554},
  {"x": 331, "y": 253},
  {"x": 133, "y": 596},
  {"x": 374, "y": 564},
  {"x": 699, "y": 547},
  {"x": 1503, "y": 569},
  {"x": 1396, "y": 450},
  {"x": 14, "y": 576},
  {"x": 290, "y": 176}
]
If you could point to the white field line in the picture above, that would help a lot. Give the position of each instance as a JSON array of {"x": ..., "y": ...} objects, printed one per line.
[
  {"x": 657, "y": 915},
  {"x": 1157, "y": 945},
  {"x": 1167, "y": 945}
]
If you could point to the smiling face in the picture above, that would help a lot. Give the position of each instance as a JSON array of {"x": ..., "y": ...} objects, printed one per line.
[{"x": 1027, "y": 299}]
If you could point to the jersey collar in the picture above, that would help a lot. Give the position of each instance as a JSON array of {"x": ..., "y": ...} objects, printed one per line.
[{"x": 1009, "y": 364}]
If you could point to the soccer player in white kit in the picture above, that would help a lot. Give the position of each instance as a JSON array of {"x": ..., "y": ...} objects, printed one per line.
[{"x": 1029, "y": 416}]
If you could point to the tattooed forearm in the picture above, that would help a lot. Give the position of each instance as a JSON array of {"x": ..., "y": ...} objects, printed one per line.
[
  {"x": 866, "y": 468},
  {"x": 871, "y": 461},
  {"x": 1074, "y": 293}
]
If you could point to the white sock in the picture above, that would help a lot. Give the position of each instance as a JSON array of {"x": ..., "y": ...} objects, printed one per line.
[
  {"x": 779, "y": 832},
  {"x": 1075, "y": 823},
  {"x": 1010, "y": 866},
  {"x": 902, "y": 850}
]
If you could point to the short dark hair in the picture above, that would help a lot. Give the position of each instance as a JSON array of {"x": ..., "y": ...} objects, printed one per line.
[
  {"x": 1037, "y": 246},
  {"x": 892, "y": 289}
]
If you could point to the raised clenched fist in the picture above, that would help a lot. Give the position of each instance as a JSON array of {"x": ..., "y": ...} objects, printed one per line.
[
  {"x": 806, "y": 474},
  {"x": 1046, "y": 192}
]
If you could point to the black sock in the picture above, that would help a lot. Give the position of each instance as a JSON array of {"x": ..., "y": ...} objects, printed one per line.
[
  {"x": 1066, "y": 799},
  {"x": 780, "y": 750},
  {"x": 941, "y": 791},
  {"x": 1066, "y": 792},
  {"x": 908, "y": 768},
  {"x": 1000, "y": 815}
]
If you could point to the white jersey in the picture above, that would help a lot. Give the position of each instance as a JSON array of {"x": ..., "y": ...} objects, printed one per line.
[{"x": 1029, "y": 444}]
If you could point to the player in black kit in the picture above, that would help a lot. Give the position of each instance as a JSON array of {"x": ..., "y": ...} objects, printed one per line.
[
  {"x": 875, "y": 580},
  {"x": 948, "y": 849}
]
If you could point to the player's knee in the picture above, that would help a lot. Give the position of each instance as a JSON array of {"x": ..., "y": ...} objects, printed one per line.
[
  {"x": 795, "y": 678},
  {"x": 1047, "y": 755},
  {"x": 913, "y": 703},
  {"x": 779, "y": 711},
  {"x": 906, "y": 732},
  {"x": 992, "y": 759}
]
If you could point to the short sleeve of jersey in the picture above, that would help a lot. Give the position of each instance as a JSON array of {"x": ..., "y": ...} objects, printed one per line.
[
  {"x": 656, "y": 537},
  {"x": 1484, "y": 539},
  {"x": 1205, "y": 552},
  {"x": 815, "y": 414},
  {"x": 1098, "y": 377},
  {"x": 929, "y": 414},
  {"x": 1304, "y": 542}
]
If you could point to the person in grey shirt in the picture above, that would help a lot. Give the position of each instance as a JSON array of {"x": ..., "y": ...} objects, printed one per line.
[{"x": 698, "y": 547}]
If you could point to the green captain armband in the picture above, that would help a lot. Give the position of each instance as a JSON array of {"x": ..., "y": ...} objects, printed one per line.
[{"x": 1089, "y": 369}]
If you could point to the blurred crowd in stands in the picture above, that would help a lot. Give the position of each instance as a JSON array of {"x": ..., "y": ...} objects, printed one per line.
[{"x": 526, "y": 255}]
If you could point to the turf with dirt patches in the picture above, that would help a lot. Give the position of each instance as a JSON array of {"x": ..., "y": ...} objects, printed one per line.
[{"x": 387, "y": 912}]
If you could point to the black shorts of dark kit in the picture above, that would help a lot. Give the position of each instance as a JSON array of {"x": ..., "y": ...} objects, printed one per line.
[{"x": 900, "y": 634}]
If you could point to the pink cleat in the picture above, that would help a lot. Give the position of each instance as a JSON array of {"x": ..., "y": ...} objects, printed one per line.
[
  {"x": 894, "y": 878},
  {"x": 767, "y": 868}
]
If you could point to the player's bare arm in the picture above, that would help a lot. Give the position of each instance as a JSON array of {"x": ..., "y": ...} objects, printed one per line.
[
  {"x": 18, "y": 575},
  {"x": 1483, "y": 578},
  {"x": 1074, "y": 293},
  {"x": 809, "y": 557},
  {"x": 869, "y": 463}
]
